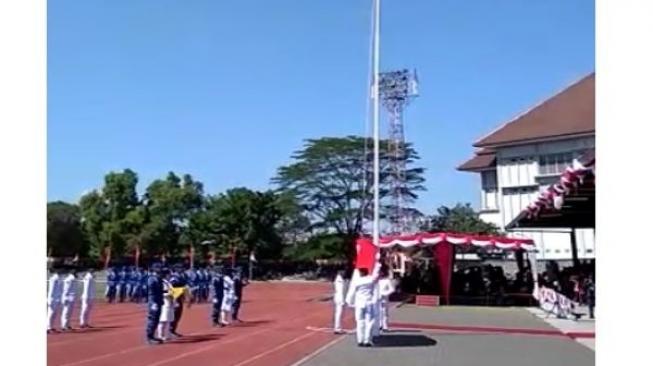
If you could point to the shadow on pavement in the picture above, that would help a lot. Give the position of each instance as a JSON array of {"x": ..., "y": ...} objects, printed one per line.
[
  {"x": 199, "y": 338},
  {"x": 404, "y": 340}
]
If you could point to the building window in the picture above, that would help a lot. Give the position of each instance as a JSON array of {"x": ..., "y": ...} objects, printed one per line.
[
  {"x": 555, "y": 163},
  {"x": 519, "y": 190},
  {"x": 489, "y": 196},
  {"x": 589, "y": 250}
]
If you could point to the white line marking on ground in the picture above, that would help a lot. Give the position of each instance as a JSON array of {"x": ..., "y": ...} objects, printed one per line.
[
  {"x": 279, "y": 347},
  {"x": 318, "y": 351}
]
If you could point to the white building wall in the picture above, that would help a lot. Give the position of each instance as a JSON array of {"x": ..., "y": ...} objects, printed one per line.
[{"x": 518, "y": 184}]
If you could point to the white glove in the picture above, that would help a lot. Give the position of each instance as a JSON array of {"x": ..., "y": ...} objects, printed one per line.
[{"x": 154, "y": 307}]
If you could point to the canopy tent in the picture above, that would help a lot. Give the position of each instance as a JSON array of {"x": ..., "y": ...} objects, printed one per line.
[{"x": 443, "y": 245}]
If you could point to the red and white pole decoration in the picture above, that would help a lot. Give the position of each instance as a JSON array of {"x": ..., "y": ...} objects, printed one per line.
[
  {"x": 137, "y": 256},
  {"x": 554, "y": 196}
]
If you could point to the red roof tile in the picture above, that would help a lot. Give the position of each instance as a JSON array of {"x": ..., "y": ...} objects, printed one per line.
[{"x": 570, "y": 112}]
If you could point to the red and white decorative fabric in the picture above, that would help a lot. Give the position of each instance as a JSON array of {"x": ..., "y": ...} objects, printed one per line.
[
  {"x": 425, "y": 239},
  {"x": 554, "y": 196}
]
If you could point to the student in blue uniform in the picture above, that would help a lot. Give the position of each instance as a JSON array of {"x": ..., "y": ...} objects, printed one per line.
[
  {"x": 191, "y": 279},
  {"x": 128, "y": 282},
  {"x": 201, "y": 281},
  {"x": 154, "y": 304},
  {"x": 239, "y": 283},
  {"x": 177, "y": 280},
  {"x": 217, "y": 293},
  {"x": 112, "y": 279},
  {"x": 144, "y": 277},
  {"x": 122, "y": 284},
  {"x": 135, "y": 285}
]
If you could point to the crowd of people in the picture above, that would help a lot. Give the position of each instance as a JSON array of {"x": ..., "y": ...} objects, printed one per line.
[{"x": 164, "y": 290}]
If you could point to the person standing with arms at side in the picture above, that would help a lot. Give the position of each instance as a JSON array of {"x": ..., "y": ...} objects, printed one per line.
[
  {"x": 154, "y": 304},
  {"x": 217, "y": 290},
  {"x": 112, "y": 279},
  {"x": 88, "y": 294},
  {"x": 54, "y": 298},
  {"x": 177, "y": 280},
  {"x": 68, "y": 299},
  {"x": 361, "y": 297},
  {"x": 338, "y": 301},
  {"x": 168, "y": 309},
  {"x": 228, "y": 298},
  {"x": 386, "y": 288},
  {"x": 122, "y": 284},
  {"x": 239, "y": 283}
]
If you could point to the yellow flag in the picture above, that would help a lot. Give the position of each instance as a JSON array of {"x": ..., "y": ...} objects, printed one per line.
[{"x": 177, "y": 292}]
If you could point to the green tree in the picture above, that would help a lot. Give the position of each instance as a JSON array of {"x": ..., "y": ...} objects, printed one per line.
[
  {"x": 104, "y": 213},
  {"x": 459, "y": 219},
  {"x": 65, "y": 235},
  {"x": 170, "y": 203},
  {"x": 243, "y": 220},
  {"x": 331, "y": 178}
]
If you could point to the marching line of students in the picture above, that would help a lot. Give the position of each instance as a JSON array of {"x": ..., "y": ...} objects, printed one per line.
[
  {"x": 165, "y": 292},
  {"x": 62, "y": 287}
]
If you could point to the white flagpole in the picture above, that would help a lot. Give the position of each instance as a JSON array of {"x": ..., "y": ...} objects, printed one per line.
[{"x": 377, "y": 26}]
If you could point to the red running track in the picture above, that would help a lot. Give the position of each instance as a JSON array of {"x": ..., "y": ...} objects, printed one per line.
[{"x": 274, "y": 332}]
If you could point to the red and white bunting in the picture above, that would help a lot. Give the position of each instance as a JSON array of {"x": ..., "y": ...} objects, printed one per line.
[{"x": 427, "y": 239}]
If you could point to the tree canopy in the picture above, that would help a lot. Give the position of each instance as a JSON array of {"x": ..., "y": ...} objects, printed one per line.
[{"x": 332, "y": 180}]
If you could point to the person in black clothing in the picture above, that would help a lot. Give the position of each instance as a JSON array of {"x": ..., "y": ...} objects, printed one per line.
[
  {"x": 590, "y": 294},
  {"x": 238, "y": 289},
  {"x": 154, "y": 304},
  {"x": 177, "y": 280}
]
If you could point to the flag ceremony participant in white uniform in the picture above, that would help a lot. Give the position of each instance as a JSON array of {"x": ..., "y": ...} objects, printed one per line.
[
  {"x": 88, "y": 294},
  {"x": 54, "y": 298},
  {"x": 228, "y": 298},
  {"x": 167, "y": 310},
  {"x": 362, "y": 299},
  {"x": 68, "y": 299},
  {"x": 338, "y": 301},
  {"x": 386, "y": 288}
]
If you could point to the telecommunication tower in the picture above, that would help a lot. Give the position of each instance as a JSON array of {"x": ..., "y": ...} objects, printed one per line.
[{"x": 397, "y": 89}]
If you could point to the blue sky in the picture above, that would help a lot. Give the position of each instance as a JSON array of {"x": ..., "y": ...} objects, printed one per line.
[{"x": 227, "y": 90}]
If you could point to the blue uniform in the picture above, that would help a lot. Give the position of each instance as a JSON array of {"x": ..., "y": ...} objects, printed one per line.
[
  {"x": 111, "y": 285},
  {"x": 122, "y": 285},
  {"x": 154, "y": 304},
  {"x": 191, "y": 279},
  {"x": 135, "y": 284},
  {"x": 144, "y": 277}
]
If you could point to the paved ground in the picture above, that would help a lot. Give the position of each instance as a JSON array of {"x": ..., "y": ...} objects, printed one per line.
[
  {"x": 584, "y": 325},
  {"x": 482, "y": 336}
]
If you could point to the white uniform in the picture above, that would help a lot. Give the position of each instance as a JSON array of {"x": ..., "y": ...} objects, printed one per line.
[
  {"x": 361, "y": 296},
  {"x": 54, "y": 298},
  {"x": 386, "y": 288},
  {"x": 167, "y": 310},
  {"x": 338, "y": 301},
  {"x": 228, "y": 298},
  {"x": 67, "y": 300},
  {"x": 88, "y": 294}
]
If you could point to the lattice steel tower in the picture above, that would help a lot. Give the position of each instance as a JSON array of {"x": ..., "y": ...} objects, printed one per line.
[{"x": 397, "y": 89}]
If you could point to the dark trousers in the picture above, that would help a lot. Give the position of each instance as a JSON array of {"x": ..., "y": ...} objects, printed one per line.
[
  {"x": 236, "y": 307},
  {"x": 111, "y": 293},
  {"x": 217, "y": 308},
  {"x": 179, "y": 310},
  {"x": 152, "y": 320}
]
